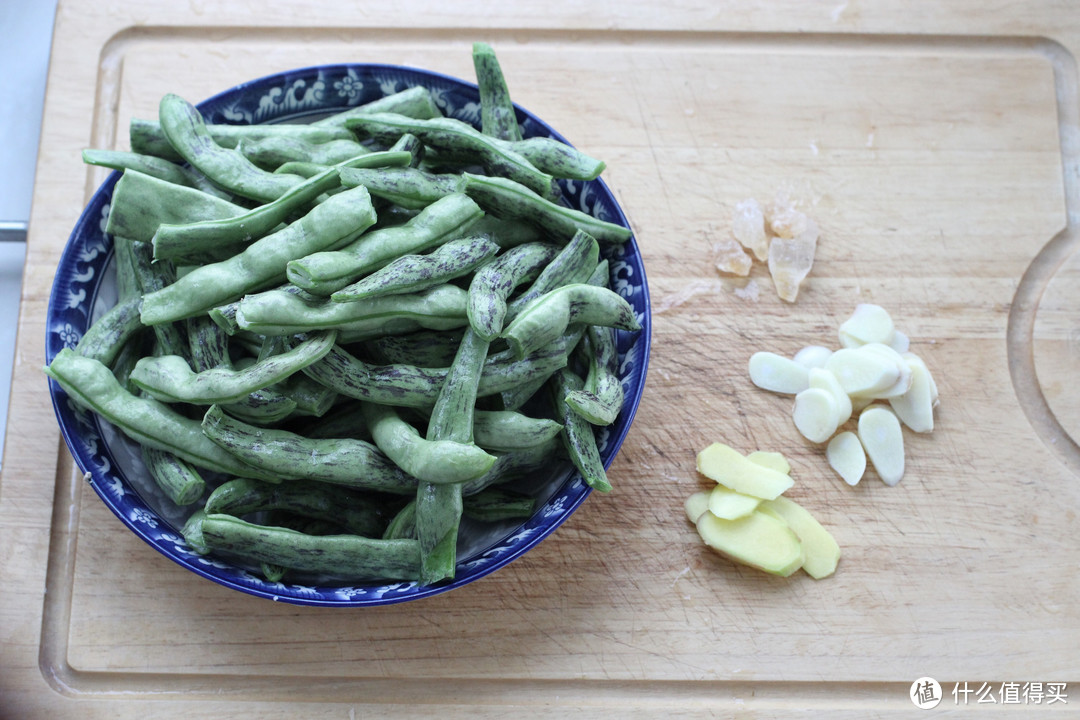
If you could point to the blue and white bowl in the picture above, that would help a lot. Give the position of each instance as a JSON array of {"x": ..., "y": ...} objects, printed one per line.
[{"x": 84, "y": 288}]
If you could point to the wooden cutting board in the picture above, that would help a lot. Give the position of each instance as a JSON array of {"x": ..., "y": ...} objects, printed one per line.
[{"x": 937, "y": 149}]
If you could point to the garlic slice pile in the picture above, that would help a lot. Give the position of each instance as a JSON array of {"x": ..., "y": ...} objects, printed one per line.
[{"x": 872, "y": 377}]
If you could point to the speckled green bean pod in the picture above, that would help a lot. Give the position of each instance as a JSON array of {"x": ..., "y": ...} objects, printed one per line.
[
  {"x": 413, "y": 273},
  {"x": 176, "y": 478},
  {"x": 181, "y": 241},
  {"x": 272, "y": 152},
  {"x": 331, "y": 223},
  {"x": 509, "y": 430},
  {"x": 147, "y": 137},
  {"x": 141, "y": 203},
  {"x": 108, "y": 335},
  {"x": 433, "y": 461},
  {"x": 546, "y": 318},
  {"x": 497, "y": 115},
  {"x": 151, "y": 277},
  {"x": 324, "y": 272},
  {"x": 601, "y": 398},
  {"x": 352, "y": 557},
  {"x": 578, "y": 437},
  {"x": 574, "y": 264},
  {"x": 169, "y": 378},
  {"x": 186, "y": 131},
  {"x": 495, "y": 281},
  {"x": 404, "y": 186},
  {"x": 506, "y": 198},
  {"x": 353, "y": 511},
  {"x": 340, "y": 461},
  {"x": 144, "y": 420},
  {"x": 496, "y": 505},
  {"x": 276, "y": 312},
  {"x": 457, "y": 138},
  {"x": 157, "y": 167}
]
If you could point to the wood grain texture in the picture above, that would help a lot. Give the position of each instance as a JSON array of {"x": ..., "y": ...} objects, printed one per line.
[{"x": 933, "y": 148}]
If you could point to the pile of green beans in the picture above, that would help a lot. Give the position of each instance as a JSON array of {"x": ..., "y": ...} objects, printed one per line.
[{"x": 334, "y": 350}]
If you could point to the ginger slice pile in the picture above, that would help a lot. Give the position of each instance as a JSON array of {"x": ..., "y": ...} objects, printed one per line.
[{"x": 747, "y": 518}]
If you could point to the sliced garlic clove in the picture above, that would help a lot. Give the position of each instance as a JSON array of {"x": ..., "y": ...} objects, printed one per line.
[
  {"x": 903, "y": 382},
  {"x": 912, "y": 357},
  {"x": 868, "y": 324},
  {"x": 900, "y": 342},
  {"x": 883, "y": 439},
  {"x": 862, "y": 373},
  {"x": 777, "y": 373},
  {"x": 813, "y": 356},
  {"x": 858, "y": 404},
  {"x": 846, "y": 456},
  {"x": 815, "y": 414},
  {"x": 825, "y": 380},
  {"x": 915, "y": 408}
]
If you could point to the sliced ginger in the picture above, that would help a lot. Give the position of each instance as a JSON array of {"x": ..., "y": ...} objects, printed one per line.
[{"x": 776, "y": 535}]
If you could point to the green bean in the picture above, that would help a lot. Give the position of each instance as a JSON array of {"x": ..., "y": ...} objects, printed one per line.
[
  {"x": 508, "y": 430},
  {"x": 272, "y": 152},
  {"x": 378, "y": 159},
  {"x": 176, "y": 478},
  {"x": 433, "y": 461},
  {"x": 153, "y": 276},
  {"x": 338, "y": 220},
  {"x": 146, "y": 421},
  {"x": 404, "y": 186},
  {"x": 340, "y": 461},
  {"x": 108, "y": 335},
  {"x": 497, "y": 115},
  {"x": 601, "y": 398},
  {"x": 208, "y": 345},
  {"x": 178, "y": 241},
  {"x": 412, "y": 273},
  {"x": 148, "y": 164},
  {"x": 416, "y": 102},
  {"x": 574, "y": 264},
  {"x": 509, "y": 199},
  {"x": 148, "y": 138},
  {"x": 546, "y": 318},
  {"x": 403, "y": 385},
  {"x": 452, "y": 416},
  {"x": 515, "y": 396},
  {"x": 397, "y": 384},
  {"x": 192, "y": 532},
  {"x": 228, "y": 168},
  {"x": 558, "y": 159},
  {"x": 496, "y": 280},
  {"x": 352, "y": 511},
  {"x": 426, "y": 348},
  {"x": 439, "y": 505},
  {"x": 141, "y": 203},
  {"x": 347, "y": 556},
  {"x": 411, "y": 144},
  {"x": 262, "y": 407},
  {"x": 456, "y": 137},
  {"x": 276, "y": 312},
  {"x": 577, "y": 434},
  {"x": 443, "y": 220},
  {"x": 494, "y": 505},
  {"x": 126, "y": 284},
  {"x": 169, "y": 378}
]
